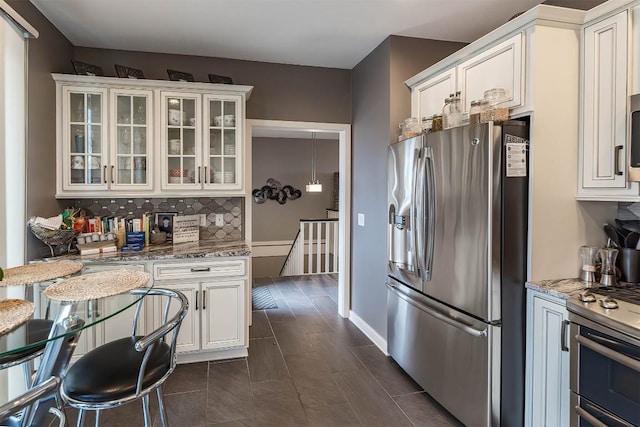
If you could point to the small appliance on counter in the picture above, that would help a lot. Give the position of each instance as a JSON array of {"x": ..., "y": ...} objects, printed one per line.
[
  {"x": 608, "y": 270},
  {"x": 590, "y": 263}
]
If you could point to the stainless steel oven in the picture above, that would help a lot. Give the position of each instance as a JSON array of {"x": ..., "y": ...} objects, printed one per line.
[{"x": 605, "y": 375}]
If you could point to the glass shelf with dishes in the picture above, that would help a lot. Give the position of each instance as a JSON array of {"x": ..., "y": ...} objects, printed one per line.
[
  {"x": 181, "y": 140},
  {"x": 84, "y": 133},
  {"x": 131, "y": 164},
  {"x": 223, "y": 146}
]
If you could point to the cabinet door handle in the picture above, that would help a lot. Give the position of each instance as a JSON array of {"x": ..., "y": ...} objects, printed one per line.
[
  {"x": 105, "y": 174},
  {"x": 196, "y": 300},
  {"x": 199, "y": 176},
  {"x": 205, "y": 174},
  {"x": 204, "y": 300},
  {"x": 616, "y": 160},
  {"x": 563, "y": 336},
  {"x": 200, "y": 269},
  {"x": 112, "y": 175}
]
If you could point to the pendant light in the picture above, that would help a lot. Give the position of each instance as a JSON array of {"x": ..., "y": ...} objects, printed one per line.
[{"x": 314, "y": 185}]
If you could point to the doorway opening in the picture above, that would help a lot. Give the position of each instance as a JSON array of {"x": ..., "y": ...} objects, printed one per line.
[{"x": 304, "y": 131}]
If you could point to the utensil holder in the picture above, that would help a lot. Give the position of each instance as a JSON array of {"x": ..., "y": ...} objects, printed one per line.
[{"x": 629, "y": 264}]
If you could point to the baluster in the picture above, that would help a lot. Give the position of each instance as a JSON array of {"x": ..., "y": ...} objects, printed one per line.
[{"x": 318, "y": 246}]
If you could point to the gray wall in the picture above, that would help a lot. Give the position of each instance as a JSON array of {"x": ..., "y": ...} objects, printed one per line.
[
  {"x": 380, "y": 101},
  {"x": 51, "y": 52},
  {"x": 289, "y": 161},
  {"x": 281, "y": 92}
]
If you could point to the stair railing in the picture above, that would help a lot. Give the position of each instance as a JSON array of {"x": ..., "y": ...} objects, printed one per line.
[{"x": 314, "y": 250}]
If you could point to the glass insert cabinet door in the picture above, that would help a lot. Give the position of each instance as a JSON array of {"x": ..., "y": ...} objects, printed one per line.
[
  {"x": 131, "y": 164},
  {"x": 181, "y": 150},
  {"x": 222, "y": 150},
  {"x": 85, "y": 139}
]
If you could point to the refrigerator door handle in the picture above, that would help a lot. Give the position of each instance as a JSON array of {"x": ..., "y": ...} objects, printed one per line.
[
  {"x": 430, "y": 212},
  {"x": 432, "y": 311},
  {"x": 414, "y": 223}
]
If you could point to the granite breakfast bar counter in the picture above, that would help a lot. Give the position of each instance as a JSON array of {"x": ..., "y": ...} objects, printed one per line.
[{"x": 213, "y": 275}]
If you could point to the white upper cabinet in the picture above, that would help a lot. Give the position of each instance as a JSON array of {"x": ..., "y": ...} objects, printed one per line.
[
  {"x": 604, "y": 122},
  {"x": 604, "y": 108},
  {"x": 83, "y": 143},
  {"x": 127, "y": 137},
  {"x": 131, "y": 154},
  {"x": 428, "y": 97},
  {"x": 181, "y": 140},
  {"x": 500, "y": 66}
]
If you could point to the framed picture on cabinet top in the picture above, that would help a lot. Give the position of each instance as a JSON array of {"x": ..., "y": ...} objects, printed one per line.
[
  {"x": 180, "y": 76},
  {"x": 128, "y": 72},
  {"x": 214, "y": 78},
  {"x": 84, "y": 69}
]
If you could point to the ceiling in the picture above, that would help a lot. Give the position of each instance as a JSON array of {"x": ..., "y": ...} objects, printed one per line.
[{"x": 324, "y": 33}]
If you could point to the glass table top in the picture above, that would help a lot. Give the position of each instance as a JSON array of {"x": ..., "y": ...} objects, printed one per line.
[{"x": 35, "y": 332}]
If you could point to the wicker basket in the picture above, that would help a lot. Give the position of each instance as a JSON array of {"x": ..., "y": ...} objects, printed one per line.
[{"x": 53, "y": 238}]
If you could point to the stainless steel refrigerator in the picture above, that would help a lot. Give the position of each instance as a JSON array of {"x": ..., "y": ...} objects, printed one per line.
[{"x": 457, "y": 265}]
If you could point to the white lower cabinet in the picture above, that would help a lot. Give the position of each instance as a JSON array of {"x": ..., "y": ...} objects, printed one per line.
[
  {"x": 547, "y": 361},
  {"x": 216, "y": 323}
]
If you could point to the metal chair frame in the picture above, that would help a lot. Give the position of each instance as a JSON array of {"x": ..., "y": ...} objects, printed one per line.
[
  {"x": 146, "y": 345},
  {"x": 9, "y": 411}
]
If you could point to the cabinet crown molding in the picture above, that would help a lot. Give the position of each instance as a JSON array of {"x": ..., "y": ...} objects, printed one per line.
[
  {"x": 609, "y": 7},
  {"x": 152, "y": 84},
  {"x": 543, "y": 15}
]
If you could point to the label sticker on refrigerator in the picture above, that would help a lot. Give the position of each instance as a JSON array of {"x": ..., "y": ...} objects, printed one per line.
[{"x": 516, "y": 160}]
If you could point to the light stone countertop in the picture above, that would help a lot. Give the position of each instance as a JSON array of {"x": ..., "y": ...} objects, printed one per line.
[
  {"x": 200, "y": 249},
  {"x": 561, "y": 288}
]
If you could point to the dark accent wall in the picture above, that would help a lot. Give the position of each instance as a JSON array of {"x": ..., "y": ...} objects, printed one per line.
[
  {"x": 380, "y": 101},
  {"x": 281, "y": 92},
  {"x": 51, "y": 52}
]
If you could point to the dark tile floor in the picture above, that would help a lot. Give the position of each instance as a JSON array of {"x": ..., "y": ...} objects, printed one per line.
[{"x": 307, "y": 366}]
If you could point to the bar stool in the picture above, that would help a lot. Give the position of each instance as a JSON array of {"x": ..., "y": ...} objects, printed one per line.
[{"x": 129, "y": 368}]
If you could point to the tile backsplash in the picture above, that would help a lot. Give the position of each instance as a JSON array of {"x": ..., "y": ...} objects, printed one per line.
[
  {"x": 232, "y": 209},
  {"x": 628, "y": 211}
]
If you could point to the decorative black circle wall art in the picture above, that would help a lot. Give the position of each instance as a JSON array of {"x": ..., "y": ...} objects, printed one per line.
[{"x": 273, "y": 190}]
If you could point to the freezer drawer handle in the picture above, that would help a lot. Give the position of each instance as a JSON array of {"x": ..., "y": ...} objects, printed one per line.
[
  {"x": 611, "y": 354},
  {"x": 200, "y": 269},
  {"x": 456, "y": 323}
]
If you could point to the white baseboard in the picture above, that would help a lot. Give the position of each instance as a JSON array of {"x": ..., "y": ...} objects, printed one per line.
[
  {"x": 371, "y": 333},
  {"x": 203, "y": 356}
]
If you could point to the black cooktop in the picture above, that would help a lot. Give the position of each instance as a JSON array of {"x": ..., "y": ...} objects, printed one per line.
[{"x": 627, "y": 292}]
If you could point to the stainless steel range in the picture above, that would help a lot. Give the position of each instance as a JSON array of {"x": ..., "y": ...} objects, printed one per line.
[{"x": 605, "y": 356}]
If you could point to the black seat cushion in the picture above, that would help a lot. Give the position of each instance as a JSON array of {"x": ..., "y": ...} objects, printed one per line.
[
  {"x": 110, "y": 371},
  {"x": 36, "y": 330}
]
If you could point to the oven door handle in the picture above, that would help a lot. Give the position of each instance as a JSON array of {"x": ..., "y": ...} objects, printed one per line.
[
  {"x": 627, "y": 361},
  {"x": 591, "y": 419}
]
